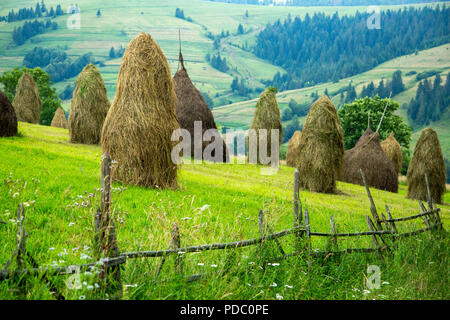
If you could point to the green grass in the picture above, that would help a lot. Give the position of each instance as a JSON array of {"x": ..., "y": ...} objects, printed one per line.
[{"x": 41, "y": 165}]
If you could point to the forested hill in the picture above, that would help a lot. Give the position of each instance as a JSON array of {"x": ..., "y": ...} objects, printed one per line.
[
  {"x": 327, "y": 2},
  {"x": 327, "y": 48}
]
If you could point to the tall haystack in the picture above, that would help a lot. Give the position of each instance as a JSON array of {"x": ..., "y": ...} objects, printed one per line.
[
  {"x": 59, "y": 119},
  {"x": 88, "y": 107},
  {"x": 427, "y": 159},
  {"x": 293, "y": 150},
  {"x": 139, "y": 125},
  {"x": 322, "y": 146},
  {"x": 267, "y": 116},
  {"x": 8, "y": 119},
  {"x": 368, "y": 155},
  {"x": 27, "y": 102},
  {"x": 191, "y": 107},
  {"x": 393, "y": 151}
]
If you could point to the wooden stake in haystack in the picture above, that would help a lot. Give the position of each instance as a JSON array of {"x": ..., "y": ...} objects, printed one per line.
[
  {"x": 8, "y": 119},
  {"x": 59, "y": 119},
  {"x": 427, "y": 159},
  {"x": 27, "y": 102},
  {"x": 322, "y": 148},
  {"x": 138, "y": 128},
  {"x": 191, "y": 107},
  {"x": 88, "y": 107}
]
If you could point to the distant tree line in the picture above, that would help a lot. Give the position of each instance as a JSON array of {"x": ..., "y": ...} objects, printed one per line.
[
  {"x": 327, "y": 2},
  {"x": 239, "y": 87},
  {"x": 39, "y": 11},
  {"x": 56, "y": 62},
  {"x": 116, "y": 53},
  {"x": 30, "y": 29},
  {"x": 325, "y": 48},
  {"x": 179, "y": 13},
  {"x": 431, "y": 101}
]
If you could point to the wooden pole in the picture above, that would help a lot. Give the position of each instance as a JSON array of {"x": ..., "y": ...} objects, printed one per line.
[
  {"x": 374, "y": 238},
  {"x": 105, "y": 235},
  {"x": 333, "y": 238},
  {"x": 297, "y": 209},
  {"x": 308, "y": 231},
  {"x": 373, "y": 209}
]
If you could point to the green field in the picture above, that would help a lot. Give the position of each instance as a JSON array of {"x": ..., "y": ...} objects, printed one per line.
[
  {"x": 240, "y": 114},
  {"x": 212, "y": 204},
  {"x": 123, "y": 20}
]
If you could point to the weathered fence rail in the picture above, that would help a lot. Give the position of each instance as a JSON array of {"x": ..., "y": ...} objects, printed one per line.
[{"x": 110, "y": 258}]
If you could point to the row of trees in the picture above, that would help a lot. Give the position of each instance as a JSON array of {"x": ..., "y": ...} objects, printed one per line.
[
  {"x": 179, "y": 13},
  {"x": 56, "y": 62},
  {"x": 116, "y": 53},
  {"x": 431, "y": 101},
  {"x": 219, "y": 63},
  {"x": 30, "y": 29},
  {"x": 325, "y": 48},
  {"x": 39, "y": 11},
  {"x": 240, "y": 87},
  {"x": 324, "y": 2}
]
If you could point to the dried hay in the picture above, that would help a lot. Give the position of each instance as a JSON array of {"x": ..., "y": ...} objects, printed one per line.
[
  {"x": 267, "y": 116},
  {"x": 88, "y": 107},
  {"x": 59, "y": 119},
  {"x": 393, "y": 151},
  {"x": 293, "y": 150},
  {"x": 427, "y": 159},
  {"x": 368, "y": 155},
  {"x": 191, "y": 107},
  {"x": 27, "y": 102},
  {"x": 322, "y": 145},
  {"x": 138, "y": 128},
  {"x": 8, "y": 119}
]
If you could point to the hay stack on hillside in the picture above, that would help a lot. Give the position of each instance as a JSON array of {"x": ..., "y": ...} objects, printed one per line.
[
  {"x": 293, "y": 151},
  {"x": 8, "y": 119},
  {"x": 59, "y": 119},
  {"x": 427, "y": 158},
  {"x": 393, "y": 151},
  {"x": 267, "y": 116},
  {"x": 322, "y": 146},
  {"x": 191, "y": 107},
  {"x": 88, "y": 107},
  {"x": 139, "y": 125},
  {"x": 368, "y": 155},
  {"x": 27, "y": 102}
]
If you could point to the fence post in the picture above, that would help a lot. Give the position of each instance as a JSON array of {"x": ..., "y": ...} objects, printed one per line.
[
  {"x": 176, "y": 244},
  {"x": 20, "y": 235},
  {"x": 308, "y": 231},
  {"x": 373, "y": 209},
  {"x": 392, "y": 223},
  {"x": 105, "y": 233},
  {"x": 333, "y": 238},
  {"x": 374, "y": 237},
  {"x": 297, "y": 209},
  {"x": 425, "y": 218}
]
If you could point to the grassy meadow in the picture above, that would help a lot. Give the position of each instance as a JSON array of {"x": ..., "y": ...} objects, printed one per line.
[{"x": 59, "y": 184}]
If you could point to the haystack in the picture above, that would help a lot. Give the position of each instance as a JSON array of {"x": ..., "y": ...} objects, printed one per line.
[
  {"x": 368, "y": 155},
  {"x": 27, "y": 102},
  {"x": 267, "y": 116},
  {"x": 427, "y": 159},
  {"x": 139, "y": 125},
  {"x": 88, "y": 107},
  {"x": 8, "y": 119},
  {"x": 191, "y": 107},
  {"x": 322, "y": 145},
  {"x": 393, "y": 151},
  {"x": 293, "y": 151},
  {"x": 59, "y": 119}
]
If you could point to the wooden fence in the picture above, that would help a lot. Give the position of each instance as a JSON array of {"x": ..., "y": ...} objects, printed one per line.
[{"x": 383, "y": 231}]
